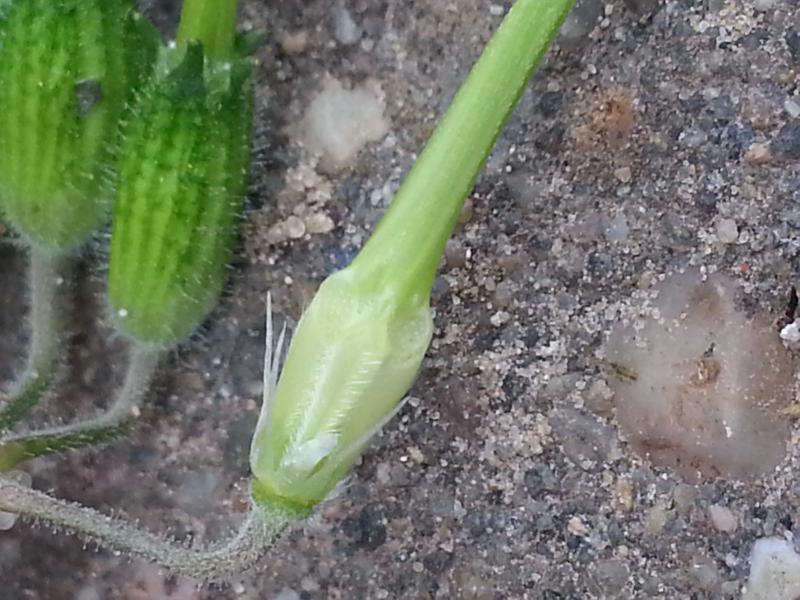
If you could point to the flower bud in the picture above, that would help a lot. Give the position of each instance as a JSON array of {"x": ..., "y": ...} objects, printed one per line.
[
  {"x": 182, "y": 184},
  {"x": 354, "y": 355},
  {"x": 67, "y": 71},
  {"x": 359, "y": 344}
]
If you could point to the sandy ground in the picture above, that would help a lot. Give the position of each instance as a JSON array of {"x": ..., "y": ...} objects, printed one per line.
[{"x": 630, "y": 153}]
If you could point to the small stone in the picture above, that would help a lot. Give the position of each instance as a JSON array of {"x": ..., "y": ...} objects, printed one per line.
[
  {"x": 786, "y": 145},
  {"x": 295, "y": 228},
  {"x": 763, "y": 5},
  {"x": 503, "y": 294},
  {"x": 623, "y": 174},
  {"x": 774, "y": 571},
  {"x": 792, "y": 107},
  {"x": 580, "y": 23},
  {"x": 611, "y": 575},
  {"x": 790, "y": 335},
  {"x": 340, "y": 122},
  {"x": 617, "y": 229},
  {"x": 727, "y": 231},
  {"x": 550, "y": 103},
  {"x": 276, "y": 233},
  {"x": 684, "y": 496},
  {"x": 345, "y": 29},
  {"x": 793, "y": 42},
  {"x": 758, "y": 154},
  {"x": 599, "y": 398},
  {"x": 540, "y": 480},
  {"x": 693, "y": 137},
  {"x": 623, "y": 494},
  {"x": 295, "y": 42},
  {"x": 496, "y": 10},
  {"x": 722, "y": 518},
  {"x": 656, "y": 519},
  {"x": 577, "y": 527},
  {"x": 585, "y": 440},
  {"x": 704, "y": 574},
  {"x": 319, "y": 223},
  {"x": 455, "y": 255}
]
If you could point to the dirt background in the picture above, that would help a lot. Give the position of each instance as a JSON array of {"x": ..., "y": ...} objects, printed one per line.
[{"x": 504, "y": 476}]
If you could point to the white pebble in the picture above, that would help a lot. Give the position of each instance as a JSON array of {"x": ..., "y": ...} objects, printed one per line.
[
  {"x": 722, "y": 518},
  {"x": 727, "y": 231}
]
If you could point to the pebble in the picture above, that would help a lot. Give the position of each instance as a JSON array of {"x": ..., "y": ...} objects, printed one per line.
[
  {"x": 345, "y": 29},
  {"x": 704, "y": 574},
  {"x": 792, "y": 107},
  {"x": 774, "y": 571},
  {"x": 611, "y": 575},
  {"x": 318, "y": 223},
  {"x": 684, "y": 496},
  {"x": 295, "y": 227},
  {"x": 617, "y": 229},
  {"x": 455, "y": 255},
  {"x": 623, "y": 174},
  {"x": 577, "y": 527},
  {"x": 580, "y": 23},
  {"x": 758, "y": 154},
  {"x": 599, "y": 398},
  {"x": 340, "y": 122},
  {"x": 786, "y": 145},
  {"x": 793, "y": 42},
  {"x": 503, "y": 294},
  {"x": 550, "y": 103},
  {"x": 623, "y": 492},
  {"x": 727, "y": 231},
  {"x": 656, "y": 519},
  {"x": 722, "y": 518},
  {"x": 295, "y": 42}
]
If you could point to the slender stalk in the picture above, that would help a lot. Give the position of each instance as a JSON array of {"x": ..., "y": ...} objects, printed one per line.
[
  {"x": 47, "y": 276},
  {"x": 404, "y": 250},
  {"x": 261, "y": 528},
  {"x": 115, "y": 422},
  {"x": 210, "y": 22}
]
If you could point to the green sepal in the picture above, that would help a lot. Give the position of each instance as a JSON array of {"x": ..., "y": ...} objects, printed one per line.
[
  {"x": 20, "y": 449},
  {"x": 247, "y": 42},
  {"x": 267, "y": 499},
  {"x": 181, "y": 190},
  {"x": 68, "y": 69}
]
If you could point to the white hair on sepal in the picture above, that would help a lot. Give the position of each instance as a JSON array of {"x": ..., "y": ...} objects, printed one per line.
[{"x": 272, "y": 360}]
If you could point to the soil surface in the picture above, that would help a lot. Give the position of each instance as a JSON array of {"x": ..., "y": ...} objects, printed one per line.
[{"x": 655, "y": 136}]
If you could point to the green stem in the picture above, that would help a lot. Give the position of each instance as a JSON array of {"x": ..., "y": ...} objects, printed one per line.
[
  {"x": 262, "y": 527},
  {"x": 47, "y": 276},
  {"x": 114, "y": 423},
  {"x": 212, "y": 23},
  {"x": 405, "y": 248}
]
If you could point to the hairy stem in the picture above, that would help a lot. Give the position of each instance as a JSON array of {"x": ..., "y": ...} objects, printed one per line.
[
  {"x": 116, "y": 421},
  {"x": 47, "y": 277},
  {"x": 261, "y": 528}
]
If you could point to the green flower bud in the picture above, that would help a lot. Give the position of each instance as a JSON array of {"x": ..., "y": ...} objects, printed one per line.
[
  {"x": 354, "y": 355},
  {"x": 359, "y": 344},
  {"x": 181, "y": 188},
  {"x": 67, "y": 71}
]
